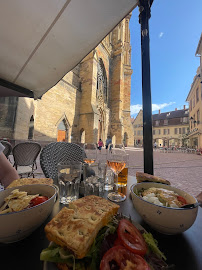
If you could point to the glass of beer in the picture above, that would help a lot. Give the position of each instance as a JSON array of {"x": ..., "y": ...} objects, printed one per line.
[
  {"x": 123, "y": 175},
  {"x": 116, "y": 160}
]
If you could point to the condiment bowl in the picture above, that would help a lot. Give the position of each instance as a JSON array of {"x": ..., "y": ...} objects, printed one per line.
[
  {"x": 164, "y": 219},
  {"x": 15, "y": 226}
]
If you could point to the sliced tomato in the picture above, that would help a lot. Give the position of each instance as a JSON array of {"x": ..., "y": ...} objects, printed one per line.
[
  {"x": 181, "y": 199},
  {"x": 38, "y": 200},
  {"x": 121, "y": 258},
  {"x": 131, "y": 238}
]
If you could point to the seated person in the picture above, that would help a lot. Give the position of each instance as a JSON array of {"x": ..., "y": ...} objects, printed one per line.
[{"x": 7, "y": 172}]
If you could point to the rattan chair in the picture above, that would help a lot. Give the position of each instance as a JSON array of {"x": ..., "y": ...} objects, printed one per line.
[
  {"x": 56, "y": 152},
  {"x": 8, "y": 148},
  {"x": 25, "y": 155}
]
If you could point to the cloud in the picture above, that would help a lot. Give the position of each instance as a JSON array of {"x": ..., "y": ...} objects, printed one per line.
[
  {"x": 161, "y": 34},
  {"x": 135, "y": 108},
  {"x": 155, "y": 107}
]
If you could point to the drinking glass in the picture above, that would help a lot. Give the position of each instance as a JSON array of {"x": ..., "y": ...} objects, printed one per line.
[
  {"x": 69, "y": 176},
  {"x": 91, "y": 153},
  {"x": 94, "y": 178},
  {"x": 123, "y": 175},
  {"x": 116, "y": 160},
  {"x": 109, "y": 180}
]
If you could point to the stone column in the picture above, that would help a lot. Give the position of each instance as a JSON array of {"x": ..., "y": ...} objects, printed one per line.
[
  {"x": 117, "y": 89},
  {"x": 128, "y": 128},
  {"x": 88, "y": 111}
]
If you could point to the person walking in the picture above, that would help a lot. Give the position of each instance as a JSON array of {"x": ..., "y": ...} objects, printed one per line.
[
  {"x": 108, "y": 141},
  {"x": 100, "y": 144}
]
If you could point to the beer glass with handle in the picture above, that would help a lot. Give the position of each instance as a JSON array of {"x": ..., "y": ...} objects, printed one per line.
[{"x": 116, "y": 160}]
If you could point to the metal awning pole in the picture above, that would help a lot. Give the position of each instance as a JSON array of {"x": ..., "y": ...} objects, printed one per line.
[{"x": 144, "y": 9}]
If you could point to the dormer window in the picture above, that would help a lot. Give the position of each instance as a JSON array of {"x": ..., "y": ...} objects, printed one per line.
[{"x": 165, "y": 122}]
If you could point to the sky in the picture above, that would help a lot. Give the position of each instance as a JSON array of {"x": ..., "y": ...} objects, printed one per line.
[{"x": 175, "y": 27}]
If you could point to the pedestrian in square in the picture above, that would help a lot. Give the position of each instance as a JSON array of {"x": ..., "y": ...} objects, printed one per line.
[{"x": 100, "y": 144}]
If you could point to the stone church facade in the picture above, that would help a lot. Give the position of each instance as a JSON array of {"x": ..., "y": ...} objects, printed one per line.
[{"x": 90, "y": 102}]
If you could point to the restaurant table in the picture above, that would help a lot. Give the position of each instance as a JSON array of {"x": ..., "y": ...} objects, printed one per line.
[{"x": 183, "y": 250}]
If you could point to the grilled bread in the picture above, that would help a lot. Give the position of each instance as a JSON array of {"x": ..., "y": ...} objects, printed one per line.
[
  {"x": 143, "y": 177},
  {"x": 76, "y": 227},
  {"x": 30, "y": 181}
]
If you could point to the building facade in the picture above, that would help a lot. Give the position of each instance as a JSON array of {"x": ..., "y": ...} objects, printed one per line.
[
  {"x": 90, "y": 102},
  {"x": 169, "y": 129},
  {"x": 195, "y": 104},
  {"x": 138, "y": 129}
]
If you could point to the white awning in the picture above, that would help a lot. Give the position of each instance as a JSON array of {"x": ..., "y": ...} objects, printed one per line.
[{"x": 42, "y": 40}]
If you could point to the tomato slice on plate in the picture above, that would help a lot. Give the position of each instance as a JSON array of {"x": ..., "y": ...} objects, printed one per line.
[
  {"x": 131, "y": 238},
  {"x": 120, "y": 258},
  {"x": 38, "y": 200},
  {"x": 181, "y": 199}
]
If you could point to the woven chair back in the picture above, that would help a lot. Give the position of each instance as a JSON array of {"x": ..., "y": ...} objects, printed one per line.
[
  {"x": 8, "y": 148},
  {"x": 25, "y": 153},
  {"x": 54, "y": 153}
]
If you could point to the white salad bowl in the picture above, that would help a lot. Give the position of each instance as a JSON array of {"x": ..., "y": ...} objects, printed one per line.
[
  {"x": 15, "y": 226},
  {"x": 164, "y": 219}
]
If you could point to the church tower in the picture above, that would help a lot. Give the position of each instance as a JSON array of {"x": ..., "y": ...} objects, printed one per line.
[{"x": 120, "y": 84}]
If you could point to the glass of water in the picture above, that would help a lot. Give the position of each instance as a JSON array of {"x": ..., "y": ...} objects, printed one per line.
[
  {"x": 69, "y": 177},
  {"x": 94, "y": 179}
]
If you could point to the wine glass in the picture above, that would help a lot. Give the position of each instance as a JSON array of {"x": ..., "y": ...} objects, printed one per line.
[
  {"x": 90, "y": 153},
  {"x": 116, "y": 160}
]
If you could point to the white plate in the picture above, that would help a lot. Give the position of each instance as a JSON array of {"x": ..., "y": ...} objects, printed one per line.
[{"x": 52, "y": 266}]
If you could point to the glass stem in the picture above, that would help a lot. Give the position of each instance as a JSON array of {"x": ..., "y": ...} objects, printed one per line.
[{"x": 116, "y": 182}]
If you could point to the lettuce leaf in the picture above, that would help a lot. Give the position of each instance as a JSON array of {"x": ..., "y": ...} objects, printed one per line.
[{"x": 153, "y": 245}]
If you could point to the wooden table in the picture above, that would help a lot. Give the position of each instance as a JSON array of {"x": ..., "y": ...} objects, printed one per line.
[{"x": 183, "y": 250}]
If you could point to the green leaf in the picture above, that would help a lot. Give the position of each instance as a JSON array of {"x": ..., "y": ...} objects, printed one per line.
[{"x": 153, "y": 245}]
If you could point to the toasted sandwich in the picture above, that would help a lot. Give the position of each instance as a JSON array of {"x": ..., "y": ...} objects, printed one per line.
[
  {"x": 30, "y": 181},
  {"x": 145, "y": 177}
]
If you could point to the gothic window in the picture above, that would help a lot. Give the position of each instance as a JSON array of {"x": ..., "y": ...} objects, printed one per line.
[
  {"x": 82, "y": 135},
  {"x": 197, "y": 95},
  {"x": 31, "y": 128},
  {"x": 102, "y": 91},
  {"x": 63, "y": 131}
]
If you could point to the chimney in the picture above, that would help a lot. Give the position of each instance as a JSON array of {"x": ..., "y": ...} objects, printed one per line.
[
  {"x": 159, "y": 111},
  {"x": 175, "y": 109},
  {"x": 184, "y": 107}
]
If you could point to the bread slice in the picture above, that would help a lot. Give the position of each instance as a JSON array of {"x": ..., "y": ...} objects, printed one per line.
[
  {"x": 97, "y": 210},
  {"x": 143, "y": 177},
  {"x": 30, "y": 181},
  {"x": 76, "y": 227}
]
